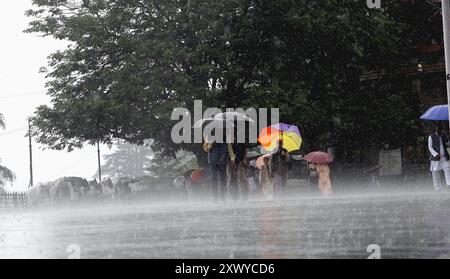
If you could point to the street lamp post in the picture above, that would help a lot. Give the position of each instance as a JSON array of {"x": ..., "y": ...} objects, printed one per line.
[
  {"x": 99, "y": 165},
  {"x": 31, "y": 154},
  {"x": 446, "y": 25}
]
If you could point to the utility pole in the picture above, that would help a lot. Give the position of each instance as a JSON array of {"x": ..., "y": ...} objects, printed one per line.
[
  {"x": 99, "y": 166},
  {"x": 446, "y": 25},
  {"x": 31, "y": 154}
]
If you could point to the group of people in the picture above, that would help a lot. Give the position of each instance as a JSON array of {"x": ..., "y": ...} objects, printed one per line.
[
  {"x": 229, "y": 164},
  {"x": 274, "y": 172},
  {"x": 227, "y": 160}
]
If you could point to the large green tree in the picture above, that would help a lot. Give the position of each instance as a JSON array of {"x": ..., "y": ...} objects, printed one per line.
[{"x": 130, "y": 62}]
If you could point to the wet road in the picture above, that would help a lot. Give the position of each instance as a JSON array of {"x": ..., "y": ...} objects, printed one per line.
[{"x": 403, "y": 225}]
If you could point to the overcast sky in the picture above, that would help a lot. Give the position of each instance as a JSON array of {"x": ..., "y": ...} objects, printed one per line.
[{"x": 21, "y": 91}]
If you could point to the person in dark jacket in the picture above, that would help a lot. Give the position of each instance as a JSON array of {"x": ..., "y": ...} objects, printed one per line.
[
  {"x": 238, "y": 172},
  {"x": 218, "y": 158},
  {"x": 280, "y": 162}
]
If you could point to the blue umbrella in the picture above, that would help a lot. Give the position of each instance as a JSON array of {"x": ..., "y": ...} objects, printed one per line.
[{"x": 436, "y": 113}]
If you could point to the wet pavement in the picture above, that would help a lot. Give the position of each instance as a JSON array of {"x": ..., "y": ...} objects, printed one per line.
[{"x": 413, "y": 225}]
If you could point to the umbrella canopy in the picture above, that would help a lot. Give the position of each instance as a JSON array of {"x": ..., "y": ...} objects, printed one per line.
[
  {"x": 290, "y": 135},
  {"x": 260, "y": 161},
  {"x": 226, "y": 117},
  {"x": 225, "y": 124},
  {"x": 318, "y": 157},
  {"x": 436, "y": 113},
  {"x": 286, "y": 128},
  {"x": 233, "y": 116}
]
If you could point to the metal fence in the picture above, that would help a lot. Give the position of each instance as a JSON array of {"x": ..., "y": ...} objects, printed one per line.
[{"x": 13, "y": 200}]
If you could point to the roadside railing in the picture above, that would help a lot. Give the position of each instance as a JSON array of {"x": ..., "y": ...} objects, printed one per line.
[{"x": 13, "y": 200}]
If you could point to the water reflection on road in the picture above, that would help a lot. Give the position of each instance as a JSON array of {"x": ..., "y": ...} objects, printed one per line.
[{"x": 403, "y": 225}]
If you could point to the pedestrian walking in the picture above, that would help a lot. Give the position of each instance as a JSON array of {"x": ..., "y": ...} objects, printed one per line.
[
  {"x": 439, "y": 157},
  {"x": 266, "y": 179},
  {"x": 312, "y": 177},
  {"x": 238, "y": 171},
  {"x": 320, "y": 164},
  {"x": 218, "y": 158},
  {"x": 280, "y": 163},
  {"x": 324, "y": 183},
  {"x": 242, "y": 178}
]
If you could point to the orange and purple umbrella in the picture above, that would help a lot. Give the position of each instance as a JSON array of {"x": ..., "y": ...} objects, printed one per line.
[{"x": 289, "y": 134}]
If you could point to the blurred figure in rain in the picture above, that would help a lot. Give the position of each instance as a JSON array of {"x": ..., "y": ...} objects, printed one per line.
[
  {"x": 242, "y": 176},
  {"x": 437, "y": 146},
  {"x": 253, "y": 178},
  {"x": 312, "y": 176},
  {"x": 323, "y": 172},
  {"x": 266, "y": 180},
  {"x": 238, "y": 171},
  {"x": 280, "y": 163}
]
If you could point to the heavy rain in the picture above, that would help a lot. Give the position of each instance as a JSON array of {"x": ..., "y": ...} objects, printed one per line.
[{"x": 227, "y": 129}]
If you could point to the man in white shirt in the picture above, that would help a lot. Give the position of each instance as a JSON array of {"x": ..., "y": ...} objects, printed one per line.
[{"x": 437, "y": 145}]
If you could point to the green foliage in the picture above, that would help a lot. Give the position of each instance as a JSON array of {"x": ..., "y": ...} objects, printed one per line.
[
  {"x": 131, "y": 62},
  {"x": 6, "y": 175}
]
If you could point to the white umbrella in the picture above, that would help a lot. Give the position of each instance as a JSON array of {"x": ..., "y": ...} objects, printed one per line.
[
  {"x": 233, "y": 116},
  {"x": 200, "y": 123}
]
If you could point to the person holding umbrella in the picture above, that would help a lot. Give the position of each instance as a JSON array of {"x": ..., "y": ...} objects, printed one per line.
[
  {"x": 439, "y": 158},
  {"x": 437, "y": 145},
  {"x": 278, "y": 140},
  {"x": 219, "y": 155},
  {"x": 223, "y": 161},
  {"x": 320, "y": 161}
]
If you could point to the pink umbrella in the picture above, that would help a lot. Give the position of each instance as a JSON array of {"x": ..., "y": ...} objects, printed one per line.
[{"x": 319, "y": 157}]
